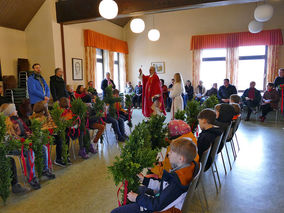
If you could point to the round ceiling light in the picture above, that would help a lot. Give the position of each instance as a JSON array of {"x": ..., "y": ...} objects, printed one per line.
[
  {"x": 263, "y": 12},
  {"x": 137, "y": 25},
  {"x": 255, "y": 27},
  {"x": 154, "y": 35},
  {"x": 108, "y": 9}
]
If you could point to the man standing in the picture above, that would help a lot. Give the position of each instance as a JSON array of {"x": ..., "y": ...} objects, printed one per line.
[
  {"x": 226, "y": 91},
  {"x": 136, "y": 100},
  {"x": 106, "y": 82},
  {"x": 251, "y": 98},
  {"x": 37, "y": 87},
  {"x": 58, "y": 86},
  {"x": 152, "y": 96}
]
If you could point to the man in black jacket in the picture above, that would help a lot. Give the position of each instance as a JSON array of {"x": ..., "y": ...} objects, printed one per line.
[
  {"x": 58, "y": 86},
  {"x": 251, "y": 98},
  {"x": 106, "y": 82},
  {"x": 226, "y": 91}
]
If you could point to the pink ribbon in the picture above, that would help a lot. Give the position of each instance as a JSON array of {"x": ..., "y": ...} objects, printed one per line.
[
  {"x": 124, "y": 194},
  {"x": 24, "y": 161},
  {"x": 31, "y": 160}
]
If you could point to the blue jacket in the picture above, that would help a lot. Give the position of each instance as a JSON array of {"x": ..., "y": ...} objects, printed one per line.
[
  {"x": 166, "y": 193},
  {"x": 36, "y": 92}
]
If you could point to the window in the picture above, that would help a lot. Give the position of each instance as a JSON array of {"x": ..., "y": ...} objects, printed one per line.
[
  {"x": 116, "y": 71},
  {"x": 99, "y": 69},
  {"x": 252, "y": 66},
  {"x": 213, "y": 67}
]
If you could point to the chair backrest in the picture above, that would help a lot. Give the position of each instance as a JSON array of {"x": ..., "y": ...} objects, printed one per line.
[
  {"x": 203, "y": 161},
  {"x": 224, "y": 138},
  {"x": 216, "y": 146},
  {"x": 191, "y": 190},
  {"x": 234, "y": 128}
]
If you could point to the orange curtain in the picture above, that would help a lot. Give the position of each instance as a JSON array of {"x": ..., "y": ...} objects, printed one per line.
[
  {"x": 101, "y": 41},
  {"x": 196, "y": 62},
  {"x": 272, "y": 62},
  {"x": 229, "y": 40},
  {"x": 111, "y": 64},
  {"x": 232, "y": 65},
  {"x": 90, "y": 56}
]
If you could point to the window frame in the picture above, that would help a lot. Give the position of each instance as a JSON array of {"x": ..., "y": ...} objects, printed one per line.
[
  {"x": 118, "y": 68},
  {"x": 252, "y": 57},
  {"x": 102, "y": 61},
  {"x": 258, "y": 57}
]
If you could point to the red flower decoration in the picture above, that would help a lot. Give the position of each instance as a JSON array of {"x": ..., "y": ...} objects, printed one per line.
[
  {"x": 30, "y": 144},
  {"x": 22, "y": 140},
  {"x": 50, "y": 131}
]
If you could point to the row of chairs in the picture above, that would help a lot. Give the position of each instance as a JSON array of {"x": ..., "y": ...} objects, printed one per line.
[{"x": 227, "y": 137}]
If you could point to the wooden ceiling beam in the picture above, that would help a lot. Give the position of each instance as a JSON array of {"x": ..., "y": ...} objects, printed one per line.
[{"x": 78, "y": 11}]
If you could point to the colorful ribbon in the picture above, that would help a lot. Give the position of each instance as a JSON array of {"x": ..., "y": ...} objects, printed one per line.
[
  {"x": 117, "y": 109},
  {"x": 48, "y": 154},
  {"x": 31, "y": 160},
  {"x": 125, "y": 184},
  {"x": 23, "y": 160}
]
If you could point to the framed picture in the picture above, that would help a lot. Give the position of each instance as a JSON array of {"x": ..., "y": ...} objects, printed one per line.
[
  {"x": 77, "y": 69},
  {"x": 159, "y": 66}
]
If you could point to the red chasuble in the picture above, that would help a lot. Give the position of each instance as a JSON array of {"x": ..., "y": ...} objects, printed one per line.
[{"x": 151, "y": 88}]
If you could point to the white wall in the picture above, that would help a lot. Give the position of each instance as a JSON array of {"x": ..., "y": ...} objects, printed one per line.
[
  {"x": 40, "y": 44},
  {"x": 176, "y": 29},
  {"x": 12, "y": 46}
]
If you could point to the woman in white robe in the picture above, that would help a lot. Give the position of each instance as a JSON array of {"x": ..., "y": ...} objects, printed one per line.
[{"x": 176, "y": 95}]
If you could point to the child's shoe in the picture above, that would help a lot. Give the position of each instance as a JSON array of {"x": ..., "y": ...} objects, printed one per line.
[
  {"x": 92, "y": 149},
  {"x": 83, "y": 153}
]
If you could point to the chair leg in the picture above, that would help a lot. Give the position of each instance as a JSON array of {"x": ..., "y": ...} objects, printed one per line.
[
  {"x": 237, "y": 142},
  {"x": 213, "y": 173},
  {"x": 21, "y": 165},
  {"x": 204, "y": 194},
  {"x": 216, "y": 169},
  {"x": 223, "y": 163},
  {"x": 228, "y": 156},
  {"x": 198, "y": 195},
  {"x": 73, "y": 148},
  {"x": 233, "y": 149}
]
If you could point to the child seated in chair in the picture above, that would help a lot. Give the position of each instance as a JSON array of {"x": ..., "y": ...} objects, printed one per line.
[
  {"x": 96, "y": 123},
  {"x": 235, "y": 102},
  {"x": 117, "y": 125},
  {"x": 67, "y": 114},
  {"x": 168, "y": 193},
  {"x": 206, "y": 119},
  {"x": 9, "y": 110},
  {"x": 120, "y": 111},
  {"x": 177, "y": 129},
  {"x": 21, "y": 130}
]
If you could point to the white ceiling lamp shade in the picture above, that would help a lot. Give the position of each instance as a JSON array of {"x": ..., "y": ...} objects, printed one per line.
[
  {"x": 108, "y": 9},
  {"x": 255, "y": 27},
  {"x": 154, "y": 35},
  {"x": 137, "y": 25},
  {"x": 263, "y": 12}
]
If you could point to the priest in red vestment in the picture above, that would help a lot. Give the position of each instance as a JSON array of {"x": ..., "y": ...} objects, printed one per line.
[{"x": 152, "y": 92}]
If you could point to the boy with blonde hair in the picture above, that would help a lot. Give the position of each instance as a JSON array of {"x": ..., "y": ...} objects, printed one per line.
[{"x": 166, "y": 194}]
